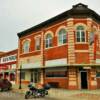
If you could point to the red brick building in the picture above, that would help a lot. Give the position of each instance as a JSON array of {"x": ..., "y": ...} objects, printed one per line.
[
  {"x": 63, "y": 51},
  {"x": 8, "y": 65}
]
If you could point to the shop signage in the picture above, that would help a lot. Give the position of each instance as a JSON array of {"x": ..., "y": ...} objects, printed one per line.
[{"x": 8, "y": 58}]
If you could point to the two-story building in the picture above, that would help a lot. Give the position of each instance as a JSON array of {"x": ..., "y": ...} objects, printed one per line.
[
  {"x": 63, "y": 51},
  {"x": 8, "y": 65}
]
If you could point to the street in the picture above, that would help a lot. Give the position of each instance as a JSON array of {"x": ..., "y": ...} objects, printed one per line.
[
  {"x": 17, "y": 96},
  {"x": 55, "y": 94}
]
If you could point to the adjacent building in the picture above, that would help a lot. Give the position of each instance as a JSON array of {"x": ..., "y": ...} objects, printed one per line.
[
  {"x": 63, "y": 51},
  {"x": 8, "y": 65}
]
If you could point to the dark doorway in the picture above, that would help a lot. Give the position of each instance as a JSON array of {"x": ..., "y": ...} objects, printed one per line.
[{"x": 84, "y": 80}]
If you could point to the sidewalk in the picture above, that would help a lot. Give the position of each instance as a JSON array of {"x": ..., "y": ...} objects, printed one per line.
[{"x": 15, "y": 88}]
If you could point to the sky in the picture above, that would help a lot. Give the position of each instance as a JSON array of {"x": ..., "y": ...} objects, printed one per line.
[{"x": 19, "y": 15}]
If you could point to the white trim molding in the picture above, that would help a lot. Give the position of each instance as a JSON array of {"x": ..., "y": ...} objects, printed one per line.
[
  {"x": 48, "y": 32},
  {"x": 27, "y": 39},
  {"x": 59, "y": 28},
  {"x": 80, "y": 24},
  {"x": 56, "y": 62}
]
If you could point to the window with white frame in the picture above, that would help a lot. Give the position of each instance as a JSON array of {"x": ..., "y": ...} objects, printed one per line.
[
  {"x": 26, "y": 46},
  {"x": 62, "y": 36},
  {"x": 80, "y": 34},
  {"x": 37, "y": 43},
  {"x": 48, "y": 41}
]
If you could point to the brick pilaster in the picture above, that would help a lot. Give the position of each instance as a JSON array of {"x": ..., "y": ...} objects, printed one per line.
[
  {"x": 93, "y": 82},
  {"x": 72, "y": 78},
  {"x": 91, "y": 47},
  {"x": 42, "y": 58},
  {"x": 42, "y": 49},
  {"x": 71, "y": 45}
]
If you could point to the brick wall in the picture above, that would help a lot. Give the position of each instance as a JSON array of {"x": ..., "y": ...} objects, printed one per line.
[{"x": 62, "y": 82}]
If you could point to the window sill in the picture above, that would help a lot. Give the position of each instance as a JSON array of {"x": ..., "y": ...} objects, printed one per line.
[
  {"x": 56, "y": 77},
  {"x": 62, "y": 44},
  {"x": 56, "y": 46},
  {"x": 81, "y": 43},
  {"x": 30, "y": 52},
  {"x": 36, "y": 50},
  {"x": 49, "y": 48}
]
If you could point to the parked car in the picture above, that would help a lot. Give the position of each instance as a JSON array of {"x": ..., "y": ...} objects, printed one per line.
[{"x": 5, "y": 85}]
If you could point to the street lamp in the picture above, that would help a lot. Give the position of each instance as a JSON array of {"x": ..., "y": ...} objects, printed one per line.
[{"x": 20, "y": 87}]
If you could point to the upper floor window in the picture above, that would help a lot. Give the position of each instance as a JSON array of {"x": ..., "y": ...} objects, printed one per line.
[
  {"x": 62, "y": 37},
  {"x": 48, "y": 41},
  {"x": 37, "y": 43},
  {"x": 26, "y": 46},
  {"x": 80, "y": 34}
]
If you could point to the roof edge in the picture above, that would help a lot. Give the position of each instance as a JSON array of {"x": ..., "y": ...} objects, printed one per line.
[{"x": 67, "y": 14}]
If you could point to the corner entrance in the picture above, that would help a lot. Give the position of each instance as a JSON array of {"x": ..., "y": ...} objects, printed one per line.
[{"x": 84, "y": 84}]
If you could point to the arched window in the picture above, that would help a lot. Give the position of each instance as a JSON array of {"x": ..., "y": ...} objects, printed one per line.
[
  {"x": 37, "y": 43},
  {"x": 80, "y": 34},
  {"x": 26, "y": 46},
  {"x": 62, "y": 37},
  {"x": 48, "y": 41}
]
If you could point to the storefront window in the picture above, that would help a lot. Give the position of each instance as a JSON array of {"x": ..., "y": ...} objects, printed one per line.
[
  {"x": 98, "y": 74},
  {"x": 56, "y": 74},
  {"x": 23, "y": 75},
  {"x": 12, "y": 77},
  {"x": 13, "y": 66}
]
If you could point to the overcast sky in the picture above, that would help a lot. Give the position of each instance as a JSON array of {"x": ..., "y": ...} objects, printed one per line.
[{"x": 18, "y": 15}]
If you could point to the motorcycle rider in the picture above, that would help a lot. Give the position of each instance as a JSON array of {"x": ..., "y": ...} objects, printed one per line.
[
  {"x": 39, "y": 91},
  {"x": 32, "y": 86}
]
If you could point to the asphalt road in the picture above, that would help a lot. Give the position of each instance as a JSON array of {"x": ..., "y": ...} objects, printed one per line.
[{"x": 17, "y": 96}]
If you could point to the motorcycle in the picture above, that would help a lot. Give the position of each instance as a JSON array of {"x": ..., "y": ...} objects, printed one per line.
[{"x": 36, "y": 93}]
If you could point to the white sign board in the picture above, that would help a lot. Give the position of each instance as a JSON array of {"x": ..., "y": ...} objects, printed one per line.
[{"x": 7, "y": 59}]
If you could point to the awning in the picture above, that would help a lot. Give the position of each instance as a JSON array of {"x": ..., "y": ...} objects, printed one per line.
[{"x": 31, "y": 66}]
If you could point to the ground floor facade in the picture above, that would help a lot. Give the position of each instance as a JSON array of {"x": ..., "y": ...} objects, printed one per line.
[
  {"x": 68, "y": 77},
  {"x": 8, "y": 74},
  {"x": 8, "y": 66}
]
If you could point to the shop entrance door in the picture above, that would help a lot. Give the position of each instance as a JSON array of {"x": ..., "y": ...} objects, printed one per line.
[
  {"x": 36, "y": 76},
  {"x": 84, "y": 84}
]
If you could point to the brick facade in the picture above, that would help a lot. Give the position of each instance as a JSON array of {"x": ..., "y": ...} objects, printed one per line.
[
  {"x": 79, "y": 58},
  {"x": 8, "y": 65}
]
